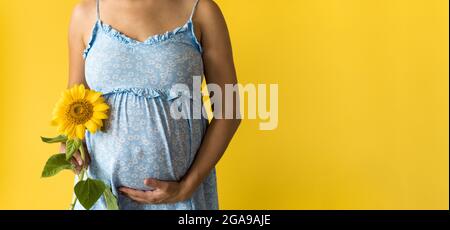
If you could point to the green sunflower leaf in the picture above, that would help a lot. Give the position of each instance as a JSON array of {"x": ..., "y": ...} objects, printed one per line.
[
  {"x": 55, "y": 164},
  {"x": 89, "y": 191},
  {"x": 72, "y": 145},
  {"x": 58, "y": 139},
  {"x": 111, "y": 200}
]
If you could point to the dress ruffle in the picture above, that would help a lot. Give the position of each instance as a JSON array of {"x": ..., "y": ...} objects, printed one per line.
[
  {"x": 116, "y": 34},
  {"x": 166, "y": 94},
  {"x": 91, "y": 40},
  {"x": 124, "y": 39}
]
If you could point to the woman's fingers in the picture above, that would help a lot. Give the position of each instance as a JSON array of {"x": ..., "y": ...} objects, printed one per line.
[
  {"x": 133, "y": 192},
  {"x": 77, "y": 157},
  {"x": 79, "y": 160},
  {"x": 77, "y": 167},
  {"x": 156, "y": 184},
  {"x": 147, "y": 197},
  {"x": 137, "y": 199},
  {"x": 88, "y": 157}
]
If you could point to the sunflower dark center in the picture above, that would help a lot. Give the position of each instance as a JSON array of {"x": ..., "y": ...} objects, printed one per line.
[{"x": 79, "y": 112}]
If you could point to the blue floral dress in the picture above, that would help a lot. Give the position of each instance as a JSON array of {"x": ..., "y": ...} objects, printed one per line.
[{"x": 141, "y": 139}]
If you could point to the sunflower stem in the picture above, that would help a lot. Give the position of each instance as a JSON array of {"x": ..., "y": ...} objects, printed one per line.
[
  {"x": 81, "y": 175},
  {"x": 83, "y": 154},
  {"x": 72, "y": 206},
  {"x": 80, "y": 178}
]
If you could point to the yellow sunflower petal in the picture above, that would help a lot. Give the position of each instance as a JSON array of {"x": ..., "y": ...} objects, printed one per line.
[
  {"x": 55, "y": 112},
  {"x": 80, "y": 130},
  {"x": 93, "y": 96},
  {"x": 70, "y": 131},
  {"x": 55, "y": 121},
  {"x": 98, "y": 122},
  {"x": 66, "y": 100},
  {"x": 101, "y": 107},
  {"x": 74, "y": 93},
  {"x": 100, "y": 115},
  {"x": 61, "y": 114},
  {"x": 99, "y": 100},
  {"x": 88, "y": 94},
  {"x": 91, "y": 126},
  {"x": 63, "y": 126},
  {"x": 66, "y": 94},
  {"x": 81, "y": 91}
]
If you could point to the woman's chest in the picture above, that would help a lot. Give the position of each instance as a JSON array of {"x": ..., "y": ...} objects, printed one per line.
[{"x": 115, "y": 64}]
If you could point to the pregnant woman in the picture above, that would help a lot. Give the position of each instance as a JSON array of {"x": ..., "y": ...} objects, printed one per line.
[{"x": 134, "y": 52}]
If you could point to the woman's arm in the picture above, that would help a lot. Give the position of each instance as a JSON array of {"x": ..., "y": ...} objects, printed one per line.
[
  {"x": 219, "y": 69},
  {"x": 83, "y": 17}
]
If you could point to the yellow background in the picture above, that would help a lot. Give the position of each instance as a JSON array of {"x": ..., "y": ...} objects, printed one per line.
[{"x": 363, "y": 96}]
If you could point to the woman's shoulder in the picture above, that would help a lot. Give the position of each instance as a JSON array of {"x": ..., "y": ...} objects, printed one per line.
[
  {"x": 83, "y": 17},
  {"x": 208, "y": 8},
  {"x": 85, "y": 8},
  {"x": 210, "y": 18}
]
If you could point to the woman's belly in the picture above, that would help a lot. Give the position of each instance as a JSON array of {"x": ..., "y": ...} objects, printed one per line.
[{"x": 141, "y": 140}]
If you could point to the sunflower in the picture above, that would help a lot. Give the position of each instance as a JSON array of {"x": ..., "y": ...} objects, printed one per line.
[{"x": 79, "y": 108}]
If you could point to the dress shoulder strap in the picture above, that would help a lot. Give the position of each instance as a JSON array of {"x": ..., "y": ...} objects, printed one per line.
[
  {"x": 98, "y": 9},
  {"x": 193, "y": 9}
]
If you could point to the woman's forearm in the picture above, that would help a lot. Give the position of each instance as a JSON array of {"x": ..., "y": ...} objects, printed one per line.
[{"x": 214, "y": 144}]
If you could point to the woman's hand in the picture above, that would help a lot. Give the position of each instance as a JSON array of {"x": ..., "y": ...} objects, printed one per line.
[
  {"x": 76, "y": 158},
  {"x": 164, "y": 192}
]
